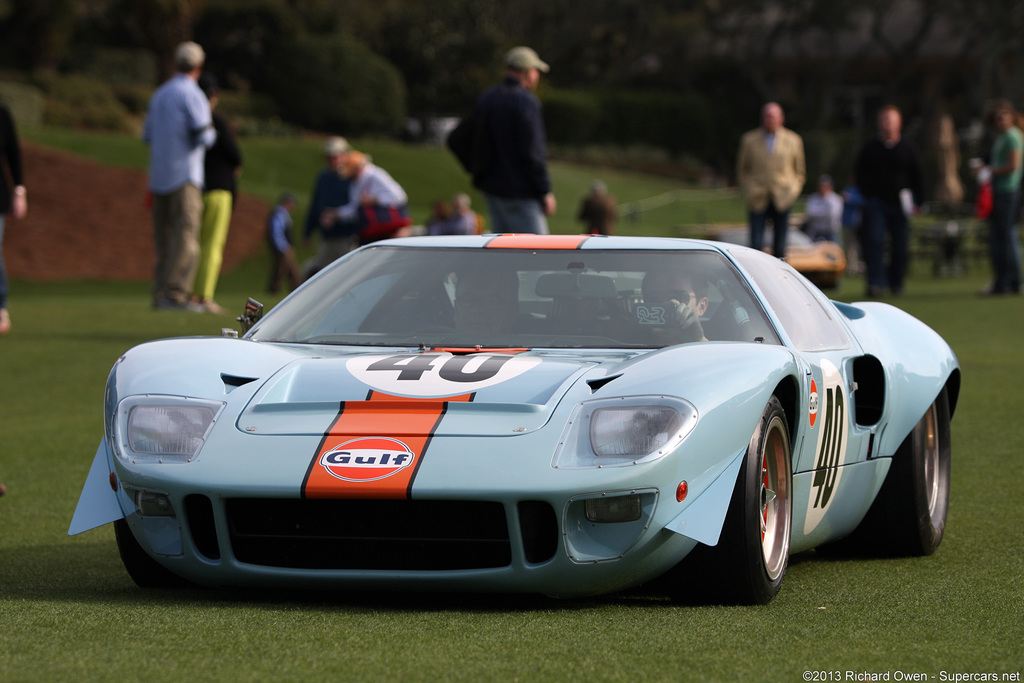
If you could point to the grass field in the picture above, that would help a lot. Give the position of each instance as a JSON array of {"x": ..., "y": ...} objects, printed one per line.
[{"x": 69, "y": 611}]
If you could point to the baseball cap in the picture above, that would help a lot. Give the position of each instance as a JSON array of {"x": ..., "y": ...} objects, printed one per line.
[
  {"x": 189, "y": 55},
  {"x": 335, "y": 145},
  {"x": 523, "y": 59}
]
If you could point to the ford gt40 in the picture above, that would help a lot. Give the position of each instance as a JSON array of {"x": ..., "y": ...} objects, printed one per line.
[{"x": 565, "y": 415}]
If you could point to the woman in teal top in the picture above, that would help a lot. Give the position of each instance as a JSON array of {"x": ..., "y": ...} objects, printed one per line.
[{"x": 1006, "y": 168}]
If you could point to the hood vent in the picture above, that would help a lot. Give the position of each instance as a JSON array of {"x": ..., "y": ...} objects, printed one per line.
[{"x": 232, "y": 382}]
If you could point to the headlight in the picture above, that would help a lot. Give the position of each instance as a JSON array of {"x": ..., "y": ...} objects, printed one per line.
[
  {"x": 632, "y": 432},
  {"x": 164, "y": 428},
  {"x": 624, "y": 431}
]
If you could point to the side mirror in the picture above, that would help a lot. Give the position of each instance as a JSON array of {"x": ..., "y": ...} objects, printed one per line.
[{"x": 251, "y": 315}]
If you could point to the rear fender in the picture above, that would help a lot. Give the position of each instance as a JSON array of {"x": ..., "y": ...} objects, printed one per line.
[{"x": 915, "y": 370}]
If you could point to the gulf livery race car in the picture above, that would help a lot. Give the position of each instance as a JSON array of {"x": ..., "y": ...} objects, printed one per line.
[{"x": 566, "y": 415}]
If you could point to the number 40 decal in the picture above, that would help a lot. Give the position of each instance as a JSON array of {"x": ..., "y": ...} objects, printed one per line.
[
  {"x": 830, "y": 453},
  {"x": 437, "y": 374}
]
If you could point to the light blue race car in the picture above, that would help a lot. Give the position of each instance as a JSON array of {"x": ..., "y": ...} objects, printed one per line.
[{"x": 566, "y": 415}]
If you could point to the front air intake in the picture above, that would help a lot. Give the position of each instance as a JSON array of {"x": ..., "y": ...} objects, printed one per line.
[{"x": 414, "y": 535}]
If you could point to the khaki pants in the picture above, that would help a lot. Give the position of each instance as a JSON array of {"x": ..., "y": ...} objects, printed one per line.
[{"x": 176, "y": 220}]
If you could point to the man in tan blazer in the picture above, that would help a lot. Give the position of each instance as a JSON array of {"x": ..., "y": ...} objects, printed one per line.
[{"x": 771, "y": 173}]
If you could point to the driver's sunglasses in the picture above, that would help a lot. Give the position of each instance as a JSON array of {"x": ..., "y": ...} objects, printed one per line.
[{"x": 680, "y": 295}]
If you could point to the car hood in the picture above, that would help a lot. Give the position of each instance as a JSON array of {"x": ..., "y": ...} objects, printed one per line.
[{"x": 483, "y": 392}]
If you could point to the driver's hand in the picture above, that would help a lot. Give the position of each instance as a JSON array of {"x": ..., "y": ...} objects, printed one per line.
[{"x": 684, "y": 321}]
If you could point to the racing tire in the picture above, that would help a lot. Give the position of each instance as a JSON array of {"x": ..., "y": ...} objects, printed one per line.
[
  {"x": 908, "y": 517},
  {"x": 749, "y": 562},
  {"x": 144, "y": 570}
]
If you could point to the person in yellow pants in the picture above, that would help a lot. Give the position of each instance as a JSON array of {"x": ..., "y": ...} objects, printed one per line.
[{"x": 222, "y": 166}]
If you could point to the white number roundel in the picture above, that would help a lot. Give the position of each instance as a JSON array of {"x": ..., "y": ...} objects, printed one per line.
[{"x": 437, "y": 374}]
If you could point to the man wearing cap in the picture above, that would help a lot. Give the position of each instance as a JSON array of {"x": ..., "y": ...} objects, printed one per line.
[
  {"x": 178, "y": 129},
  {"x": 331, "y": 188},
  {"x": 515, "y": 183}
]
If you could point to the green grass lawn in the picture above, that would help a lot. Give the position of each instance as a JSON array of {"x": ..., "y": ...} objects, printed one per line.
[{"x": 69, "y": 611}]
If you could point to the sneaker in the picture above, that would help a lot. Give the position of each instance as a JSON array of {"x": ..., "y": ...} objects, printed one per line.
[
  {"x": 5, "y": 321},
  {"x": 172, "y": 305},
  {"x": 211, "y": 306}
]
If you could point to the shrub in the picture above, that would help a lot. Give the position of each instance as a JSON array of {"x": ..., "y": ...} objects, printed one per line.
[
  {"x": 335, "y": 83},
  {"x": 119, "y": 66},
  {"x": 26, "y": 103},
  {"x": 680, "y": 123},
  {"x": 81, "y": 102},
  {"x": 572, "y": 117}
]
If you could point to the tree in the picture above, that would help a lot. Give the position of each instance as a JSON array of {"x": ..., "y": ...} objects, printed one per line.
[
  {"x": 37, "y": 33},
  {"x": 239, "y": 35},
  {"x": 160, "y": 24}
]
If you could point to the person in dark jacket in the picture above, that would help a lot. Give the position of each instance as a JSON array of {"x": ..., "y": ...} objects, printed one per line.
[
  {"x": 331, "y": 188},
  {"x": 222, "y": 165},
  {"x": 888, "y": 174},
  {"x": 13, "y": 201},
  {"x": 515, "y": 182}
]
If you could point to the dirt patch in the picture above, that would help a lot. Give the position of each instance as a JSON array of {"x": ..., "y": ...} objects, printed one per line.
[{"x": 88, "y": 221}]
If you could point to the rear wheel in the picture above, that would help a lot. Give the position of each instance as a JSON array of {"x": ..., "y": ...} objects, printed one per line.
[
  {"x": 144, "y": 570},
  {"x": 749, "y": 563},
  {"x": 909, "y": 515}
]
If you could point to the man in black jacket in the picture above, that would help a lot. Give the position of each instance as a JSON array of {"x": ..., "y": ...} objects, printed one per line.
[
  {"x": 888, "y": 173},
  {"x": 515, "y": 181},
  {"x": 13, "y": 201}
]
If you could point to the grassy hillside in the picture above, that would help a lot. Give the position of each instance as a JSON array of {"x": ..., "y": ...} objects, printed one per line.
[{"x": 428, "y": 175}]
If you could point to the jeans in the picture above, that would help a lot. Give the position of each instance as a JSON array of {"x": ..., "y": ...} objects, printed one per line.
[
  {"x": 516, "y": 215},
  {"x": 1004, "y": 245},
  {"x": 780, "y": 225},
  {"x": 3, "y": 269},
  {"x": 882, "y": 219}
]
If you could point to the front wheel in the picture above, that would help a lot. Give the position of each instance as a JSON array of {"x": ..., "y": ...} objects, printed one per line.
[{"x": 749, "y": 563}]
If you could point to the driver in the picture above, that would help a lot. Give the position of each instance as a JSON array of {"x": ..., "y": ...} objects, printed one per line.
[
  {"x": 673, "y": 304},
  {"x": 486, "y": 301}
]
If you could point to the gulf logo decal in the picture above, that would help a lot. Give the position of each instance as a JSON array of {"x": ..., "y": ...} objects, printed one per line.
[
  {"x": 813, "y": 402},
  {"x": 529, "y": 241},
  {"x": 367, "y": 459},
  {"x": 374, "y": 447},
  {"x": 831, "y": 447}
]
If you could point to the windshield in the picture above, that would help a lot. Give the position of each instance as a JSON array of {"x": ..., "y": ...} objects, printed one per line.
[{"x": 520, "y": 298}]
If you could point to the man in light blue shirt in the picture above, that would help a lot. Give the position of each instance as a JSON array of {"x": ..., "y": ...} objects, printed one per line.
[{"x": 178, "y": 130}]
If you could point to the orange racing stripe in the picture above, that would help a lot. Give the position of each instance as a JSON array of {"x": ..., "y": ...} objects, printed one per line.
[
  {"x": 374, "y": 447},
  {"x": 529, "y": 241}
]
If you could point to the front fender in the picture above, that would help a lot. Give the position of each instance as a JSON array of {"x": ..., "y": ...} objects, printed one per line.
[
  {"x": 704, "y": 518},
  {"x": 98, "y": 503},
  {"x": 729, "y": 384}
]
